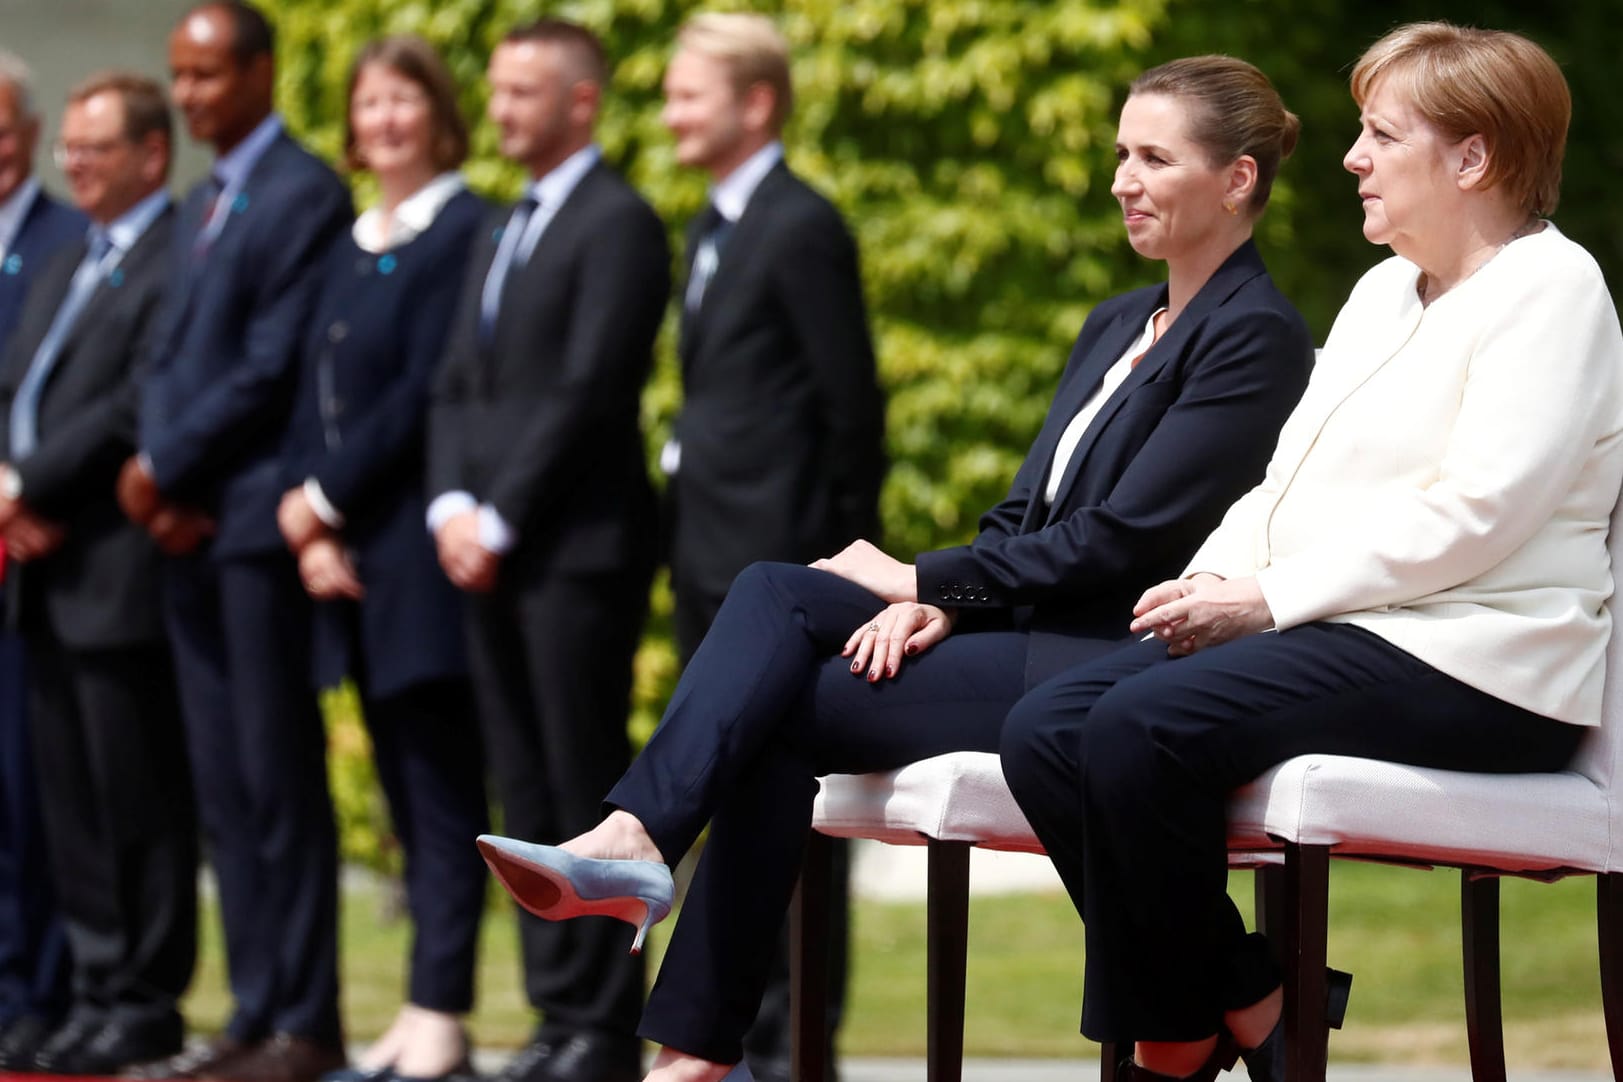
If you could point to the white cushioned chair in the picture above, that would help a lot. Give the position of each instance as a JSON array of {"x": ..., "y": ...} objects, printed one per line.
[{"x": 1288, "y": 824}]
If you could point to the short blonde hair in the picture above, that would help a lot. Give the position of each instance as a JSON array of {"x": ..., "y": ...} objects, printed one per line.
[
  {"x": 1492, "y": 83},
  {"x": 751, "y": 48}
]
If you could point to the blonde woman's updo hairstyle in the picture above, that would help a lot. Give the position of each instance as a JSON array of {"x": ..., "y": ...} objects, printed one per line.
[
  {"x": 1499, "y": 85},
  {"x": 1233, "y": 111}
]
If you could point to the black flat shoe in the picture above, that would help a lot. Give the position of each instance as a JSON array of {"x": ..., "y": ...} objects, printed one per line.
[{"x": 1266, "y": 1062}]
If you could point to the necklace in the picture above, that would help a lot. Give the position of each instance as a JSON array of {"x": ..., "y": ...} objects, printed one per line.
[{"x": 1526, "y": 229}]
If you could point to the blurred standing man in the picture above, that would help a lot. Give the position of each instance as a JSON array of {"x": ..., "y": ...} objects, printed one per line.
[
  {"x": 249, "y": 242},
  {"x": 779, "y": 450},
  {"x": 33, "y": 951},
  {"x": 109, "y": 749},
  {"x": 543, "y": 513}
]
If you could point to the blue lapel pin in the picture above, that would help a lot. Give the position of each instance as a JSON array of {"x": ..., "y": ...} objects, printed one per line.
[
  {"x": 116, "y": 278},
  {"x": 240, "y": 203},
  {"x": 387, "y": 263},
  {"x": 14, "y": 264}
]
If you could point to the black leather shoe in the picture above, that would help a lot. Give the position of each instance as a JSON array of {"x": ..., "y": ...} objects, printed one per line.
[
  {"x": 594, "y": 1057},
  {"x": 20, "y": 1039},
  {"x": 59, "y": 1054},
  {"x": 1266, "y": 1062},
  {"x": 201, "y": 1060},
  {"x": 122, "y": 1043},
  {"x": 529, "y": 1063}
]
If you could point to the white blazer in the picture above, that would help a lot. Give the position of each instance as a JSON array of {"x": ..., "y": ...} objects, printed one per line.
[{"x": 1446, "y": 480}]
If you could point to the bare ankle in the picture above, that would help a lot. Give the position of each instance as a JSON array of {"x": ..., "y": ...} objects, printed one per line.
[
  {"x": 673, "y": 1066},
  {"x": 1251, "y": 1025},
  {"x": 620, "y": 836}
]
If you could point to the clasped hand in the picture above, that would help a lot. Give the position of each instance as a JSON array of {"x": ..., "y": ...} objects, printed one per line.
[
  {"x": 1200, "y": 611},
  {"x": 904, "y": 629}
]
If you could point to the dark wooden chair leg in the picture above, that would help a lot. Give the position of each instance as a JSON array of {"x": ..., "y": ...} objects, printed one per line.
[
  {"x": 948, "y": 944},
  {"x": 1479, "y": 941},
  {"x": 1268, "y": 894},
  {"x": 1306, "y": 904},
  {"x": 1110, "y": 1056},
  {"x": 1609, "y": 922},
  {"x": 808, "y": 964}
]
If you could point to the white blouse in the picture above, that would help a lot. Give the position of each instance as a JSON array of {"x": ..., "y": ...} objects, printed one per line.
[
  {"x": 1114, "y": 377},
  {"x": 1447, "y": 478}
]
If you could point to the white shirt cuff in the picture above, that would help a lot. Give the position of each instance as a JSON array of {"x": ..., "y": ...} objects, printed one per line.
[
  {"x": 670, "y": 457},
  {"x": 494, "y": 532},
  {"x": 330, "y": 516},
  {"x": 446, "y": 506}
]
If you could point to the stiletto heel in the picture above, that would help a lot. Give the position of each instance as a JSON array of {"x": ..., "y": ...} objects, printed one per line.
[
  {"x": 1337, "y": 991},
  {"x": 557, "y": 885}
]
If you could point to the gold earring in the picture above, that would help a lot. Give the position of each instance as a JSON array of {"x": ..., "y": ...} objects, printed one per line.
[{"x": 1228, "y": 205}]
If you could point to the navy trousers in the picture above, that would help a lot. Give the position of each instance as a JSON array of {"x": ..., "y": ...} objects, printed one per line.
[
  {"x": 766, "y": 706},
  {"x": 1124, "y": 767},
  {"x": 240, "y": 634},
  {"x": 430, "y": 761},
  {"x": 33, "y": 948}
]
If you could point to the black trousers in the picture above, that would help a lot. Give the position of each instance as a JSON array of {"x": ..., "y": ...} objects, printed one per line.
[
  {"x": 33, "y": 947},
  {"x": 240, "y": 633},
  {"x": 430, "y": 762},
  {"x": 1124, "y": 767},
  {"x": 118, "y": 816},
  {"x": 764, "y": 708},
  {"x": 551, "y": 663}
]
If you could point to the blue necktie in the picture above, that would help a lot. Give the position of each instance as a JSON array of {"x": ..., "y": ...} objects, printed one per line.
[
  {"x": 508, "y": 256},
  {"x": 25, "y": 407}
]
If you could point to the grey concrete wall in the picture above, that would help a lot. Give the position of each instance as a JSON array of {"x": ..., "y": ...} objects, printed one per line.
[{"x": 65, "y": 40}]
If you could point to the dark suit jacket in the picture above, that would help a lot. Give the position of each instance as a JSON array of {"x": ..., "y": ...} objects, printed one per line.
[
  {"x": 99, "y": 590},
  {"x": 544, "y": 423},
  {"x": 358, "y": 428},
  {"x": 782, "y": 423},
  {"x": 225, "y": 360},
  {"x": 47, "y": 227},
  {"x": 1184, "y": 436}
]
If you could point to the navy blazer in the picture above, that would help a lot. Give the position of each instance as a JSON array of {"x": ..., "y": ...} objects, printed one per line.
[
  {"x": 225, "y": 361},
  {"x": 47, "y": 227},
  {"x": 358, "y": 428},
  {"x": 1185, "y": 435},
  {"x": 544, "y": 422},
  {"x": 100, "y": 589},
  {"x": 783, "y": 422}
]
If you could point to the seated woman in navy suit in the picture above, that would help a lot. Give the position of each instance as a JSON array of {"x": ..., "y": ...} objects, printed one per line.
[
  {"x": 1166, "y": 412},
  {"x": 1427, "y": 549},
  {"x": 354, "y": 517}
]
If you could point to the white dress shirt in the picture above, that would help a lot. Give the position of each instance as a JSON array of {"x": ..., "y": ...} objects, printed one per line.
[{"x": 1447, "y": 479}]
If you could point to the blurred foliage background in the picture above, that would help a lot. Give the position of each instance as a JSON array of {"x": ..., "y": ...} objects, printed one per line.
[{"x": 969, "y": 143}]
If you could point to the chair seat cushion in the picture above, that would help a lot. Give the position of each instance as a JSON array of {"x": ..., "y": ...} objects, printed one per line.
[
  {"x": 1510, "y": 822},
  {"x": 1514, "y": 823}
]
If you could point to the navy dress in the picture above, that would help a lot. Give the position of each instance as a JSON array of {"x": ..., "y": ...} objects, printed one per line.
[{"x": 358, "y": 429}]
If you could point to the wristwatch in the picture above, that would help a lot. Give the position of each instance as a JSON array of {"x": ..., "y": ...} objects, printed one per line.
[{"x": 11, "y": 482}]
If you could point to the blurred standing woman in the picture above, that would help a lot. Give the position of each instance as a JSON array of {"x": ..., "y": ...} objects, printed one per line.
[
  {"x": 1166, "y": 412},
  {"x": 1429, "y": 544},
  {"x": 354, "y": 517}
]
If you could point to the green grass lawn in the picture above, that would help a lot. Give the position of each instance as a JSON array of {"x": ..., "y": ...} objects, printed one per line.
[{"x": 1397, "y": 929}]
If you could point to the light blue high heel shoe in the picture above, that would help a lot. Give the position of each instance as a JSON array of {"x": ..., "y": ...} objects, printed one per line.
[{"x": 556, "y": 885}]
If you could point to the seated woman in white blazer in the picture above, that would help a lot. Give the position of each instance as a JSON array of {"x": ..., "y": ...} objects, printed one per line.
[{"x": 1419, "y": 578}]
